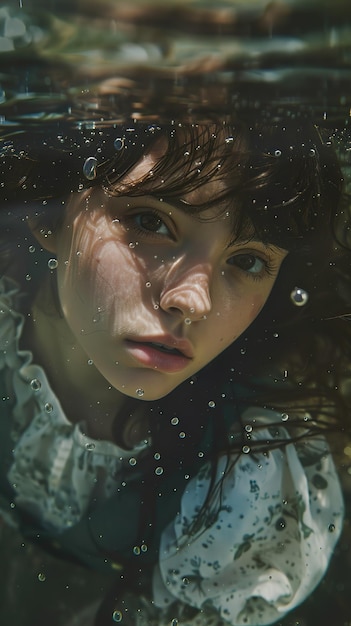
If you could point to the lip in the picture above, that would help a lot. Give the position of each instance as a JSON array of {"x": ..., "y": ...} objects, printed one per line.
[{"x": 141, "y": 349}]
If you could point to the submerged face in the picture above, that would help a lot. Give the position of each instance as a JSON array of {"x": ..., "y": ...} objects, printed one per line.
[{"x": 152, "y": 293}]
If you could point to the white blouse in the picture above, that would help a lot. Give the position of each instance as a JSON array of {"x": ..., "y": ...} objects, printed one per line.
[{"x": 279, "y": 512}]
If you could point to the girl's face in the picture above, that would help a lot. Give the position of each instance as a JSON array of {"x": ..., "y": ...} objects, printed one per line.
[{"x": 153, "y": 294}]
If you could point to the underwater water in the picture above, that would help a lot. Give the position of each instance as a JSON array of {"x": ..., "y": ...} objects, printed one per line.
[{"x": 75, "y": 78}]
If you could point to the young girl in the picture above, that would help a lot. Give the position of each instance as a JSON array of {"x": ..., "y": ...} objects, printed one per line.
[{"x": 172, "y": 358}]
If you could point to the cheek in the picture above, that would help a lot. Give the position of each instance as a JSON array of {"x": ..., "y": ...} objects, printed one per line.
[{"x": 257, "y": 305}]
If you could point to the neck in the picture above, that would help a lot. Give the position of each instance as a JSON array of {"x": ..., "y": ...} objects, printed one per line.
[{"x": 84, "y": 393}]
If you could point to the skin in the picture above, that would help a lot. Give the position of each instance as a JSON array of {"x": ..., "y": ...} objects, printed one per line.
[{"x": 135, "y": 268}]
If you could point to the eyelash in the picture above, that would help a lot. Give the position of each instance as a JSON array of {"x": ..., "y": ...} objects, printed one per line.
[
  {"x": 269, "y": 268},
  {"x": 132, "y": 219}
]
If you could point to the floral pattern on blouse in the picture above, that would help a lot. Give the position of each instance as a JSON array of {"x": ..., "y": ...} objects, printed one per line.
[{"x": 280, "y": 515}]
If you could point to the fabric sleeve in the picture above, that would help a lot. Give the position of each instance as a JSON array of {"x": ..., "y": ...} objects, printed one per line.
[{"x": 265, "y": 543}]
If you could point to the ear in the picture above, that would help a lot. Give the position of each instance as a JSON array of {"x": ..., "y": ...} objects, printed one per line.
[{"x": 43, "y": 234}]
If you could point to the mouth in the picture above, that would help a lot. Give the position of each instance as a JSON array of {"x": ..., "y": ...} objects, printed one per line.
[
  {"x": 170, "y": 355},
  {"x": 163, "y": 348}
]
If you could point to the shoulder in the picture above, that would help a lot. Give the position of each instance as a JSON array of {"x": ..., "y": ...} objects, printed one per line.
[{"x": 268, "y": 530}]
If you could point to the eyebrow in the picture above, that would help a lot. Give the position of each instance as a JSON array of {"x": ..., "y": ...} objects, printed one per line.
[{"x": 239, "y": 239}]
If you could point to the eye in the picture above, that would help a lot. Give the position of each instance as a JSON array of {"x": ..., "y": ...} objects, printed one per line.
[
  {"x": 249, "y": 263},
  {"x": 151, "y": 222}
]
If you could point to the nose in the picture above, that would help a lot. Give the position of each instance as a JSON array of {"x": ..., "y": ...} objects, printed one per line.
[{"x": 189, "y": 295}]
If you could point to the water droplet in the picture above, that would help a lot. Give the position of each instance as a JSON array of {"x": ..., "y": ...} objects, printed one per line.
[
  {"x": 148, "y": 284},
  {"x": 174, "y": 421},
  {"x": 331, "y": 528},
  {"x": 48, "y": 407},
  {"x": 182, "y": 434},
  {"x": 277, "y": 153},
  {"x": 89, "y": 168},
  {"x": 211, "y": 404},
  {"x": 118, "y": 143},
  {"x": 31, "y": 248},
  {"x": 35, "y": 384},
  {"x": 41, "y": 577},
  {"x": 246, "y": 449},
  {"x": 285, "y": 417},
  {"x": 299, "y": 296},
  {"x": 159, "y": 471},
  {"x": 139, "y": 392},
  {"x": 90, "y": 446},
  {"x": 52, "y": 264},
  {"x": 187, "y": 320},
  {"x": 280, "y": 523},
  {"x": 132, "y": 461},
  {"x": 185, "y": 580},
  {"x": 131, "y": 245},
  {"x": 136, "y": 550},
  {"x": 117, "y": 616},
  {"x": 248, "y": 428}
]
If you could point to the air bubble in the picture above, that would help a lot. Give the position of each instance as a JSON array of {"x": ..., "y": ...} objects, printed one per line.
[
  {"x": 187, "y": 320},
  {"x": 31, "y": 249},
  {"x": 174, "y": 622},
  {"x": 248, "y": 428},
  {"x": 139, "y": 392},
  {"x": 285, "y": 417},
  {"x": 229, "y": 140},
  {"x": 156, "y": 306},
  {"x": 182, "y": 434},
  {"x": 52, "y": 264},
  {"x": 185, "y": 580},
  {"x": 143, "y": 547},
  {"x": 136, "y": 550},
  {"x": 148, "y": 284},
  {"x": 277, "y": 153},
  {"x": 132, "y": 461},
  {"x": 41, "y": 577},
  {"x": 118, "y": 143},
  {"x": 192, "y": 310},
  {"x": 157, "y": 456},
  {"x": 90, "y": 446},
  {"x": 211, "y": 404},
  {"x": 117, "y": 616},
  {"x": 174, "y": 421},
  {"x": 48, "y": 407},
  {"x": 299, "y": 296},
  {"x": 159, "y": 471},
  {"x": 131, "y": 245},
  {"x": 331, "y": 528},
  {"x": 28, "y": 277},
  {"x": 246, "y": 449},
  {"x": 312, "y": 152},
  {"x": 35, "y": 384},
  {"x": 89, "y": 168},
  {"x": 90, "y": 362}
]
